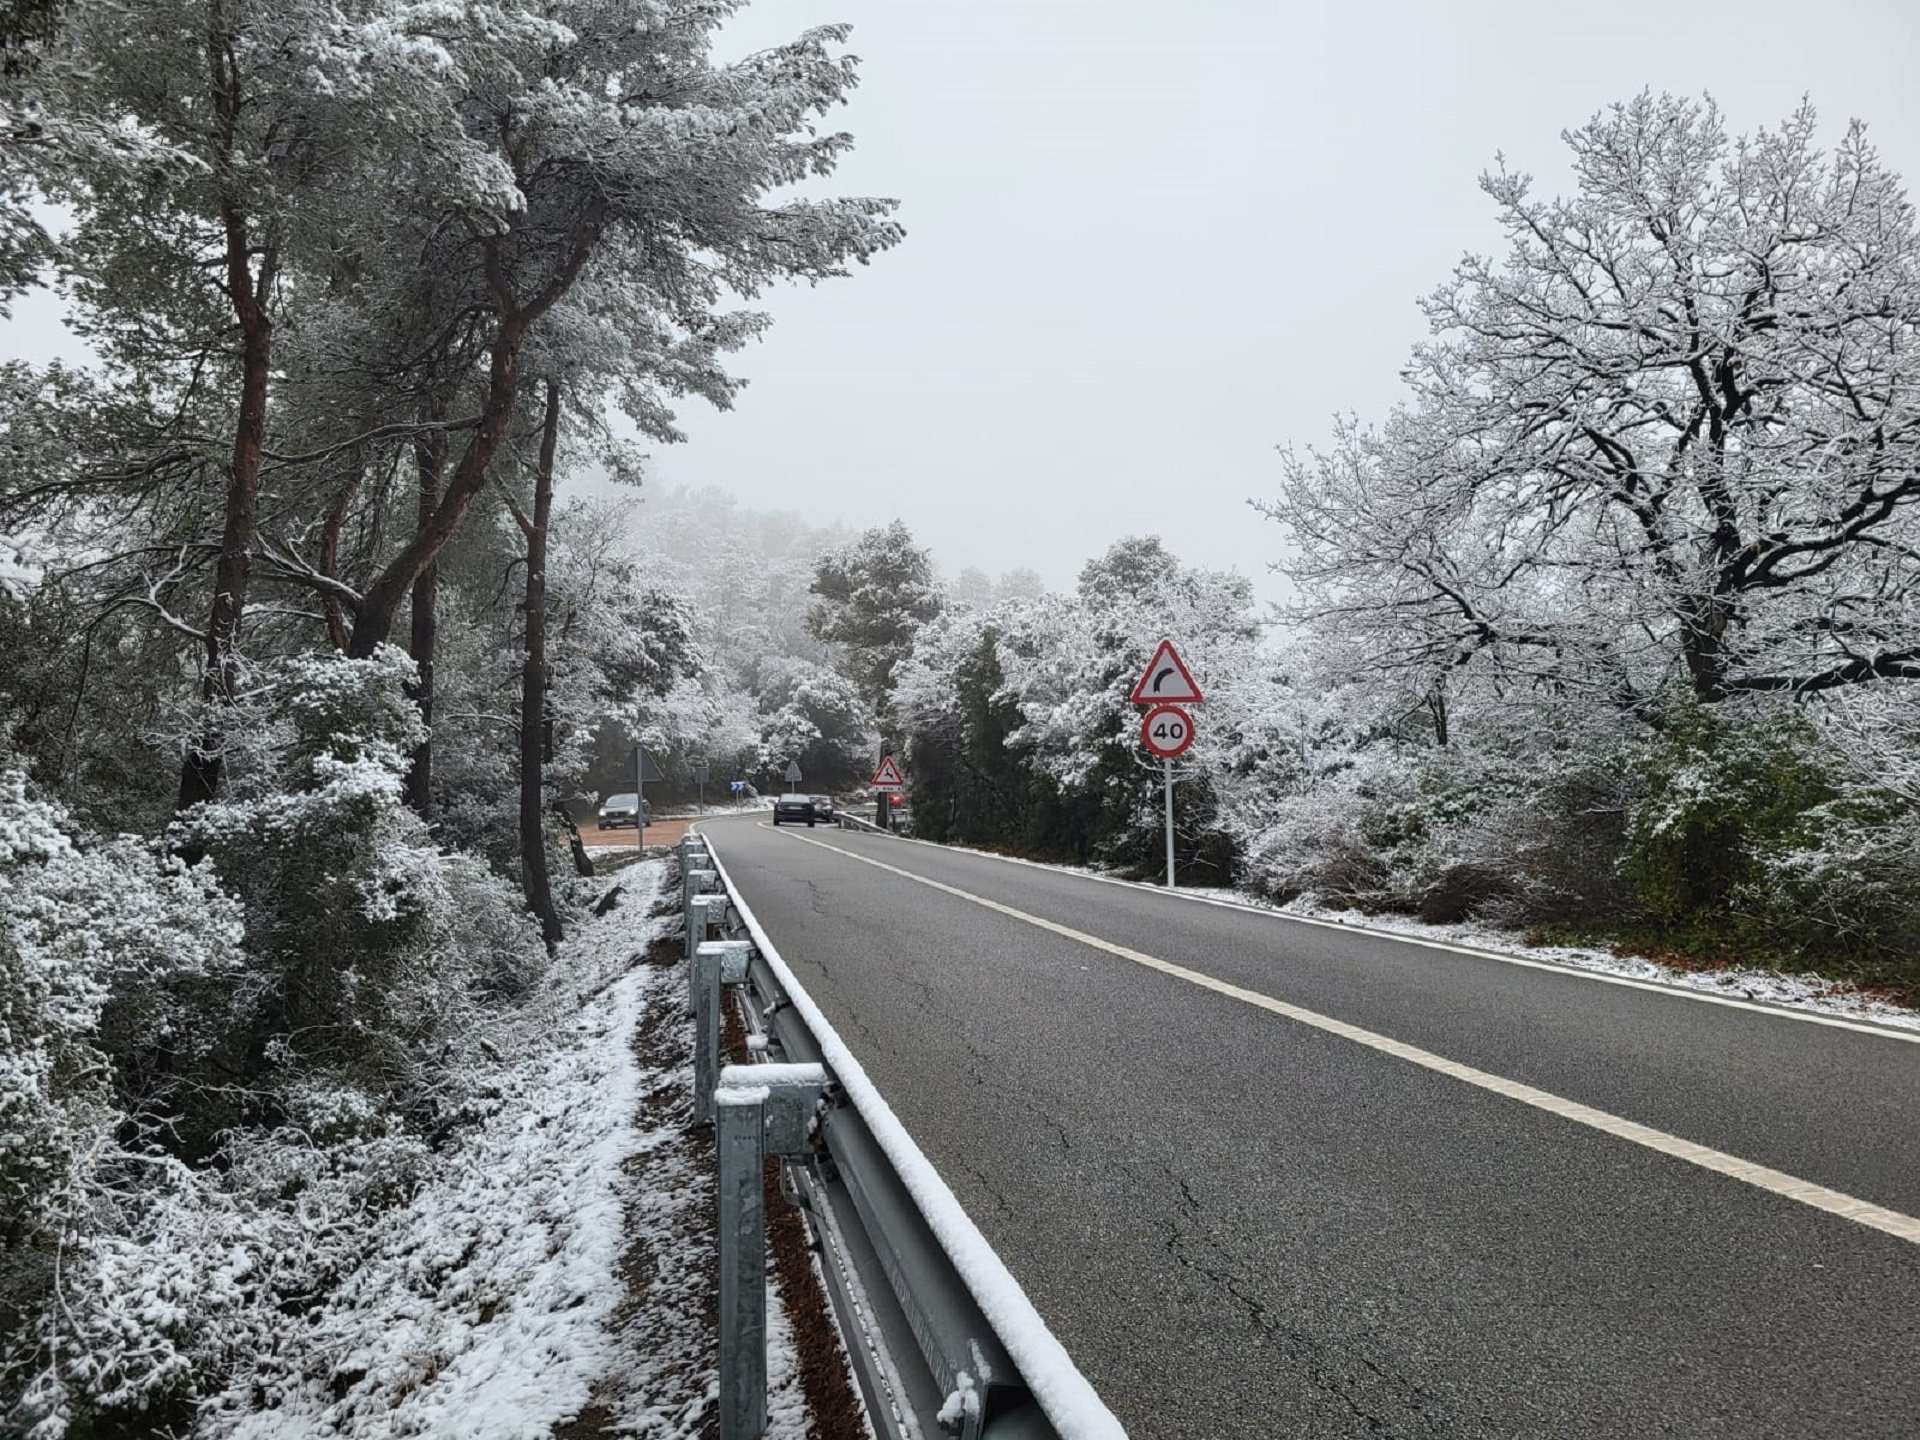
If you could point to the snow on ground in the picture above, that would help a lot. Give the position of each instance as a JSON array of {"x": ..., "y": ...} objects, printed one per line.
[
  {"x": 664, "y": 1384},
  {"x": 485, "y": 1307},
  {"x": 1763, "y": 987}
]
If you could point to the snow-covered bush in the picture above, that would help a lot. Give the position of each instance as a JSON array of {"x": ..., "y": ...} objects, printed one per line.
[
  {"x": 1519, "y": 817},
  {"x": 109, "y": 952},
  {"x": 1725, "y": 791},
  {"x": 373, "y": 949},
  {"x": 100, "y": 947},
  {"x": 174, "y": 1277},
  {"x": 307, "y": 1095}
]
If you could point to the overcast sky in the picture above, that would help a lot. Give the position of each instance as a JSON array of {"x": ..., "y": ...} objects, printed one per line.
[{"x": 1150, "y": 242}]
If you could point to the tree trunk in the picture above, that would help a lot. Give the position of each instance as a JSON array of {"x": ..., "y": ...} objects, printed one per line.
[
  {"x": 202, "y": 765},
  {"x": 381, "y": 604},
  {"x": 582, "y": 861},
  {"x": 533, "y": 687},
  {"x": 1703, "y": 645},
  {"x": 430, "y": 453},
  {"x": 330, "y": 532}
]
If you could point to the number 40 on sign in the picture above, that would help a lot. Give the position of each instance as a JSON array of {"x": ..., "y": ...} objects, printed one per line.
[{"x": 1167, "y": 731}]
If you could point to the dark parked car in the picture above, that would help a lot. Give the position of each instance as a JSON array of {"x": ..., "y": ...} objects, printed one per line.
[
  {"x": 798, "y": 808},
  {"x": 623, "y": 810},
  {"x": 823, "y": 807}
]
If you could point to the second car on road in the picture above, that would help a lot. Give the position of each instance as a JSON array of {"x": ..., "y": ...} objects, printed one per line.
[{"x": 798, "y": 808}]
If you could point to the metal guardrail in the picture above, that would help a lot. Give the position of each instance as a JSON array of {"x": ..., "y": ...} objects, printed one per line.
[{"x": 928, "y": 1359}]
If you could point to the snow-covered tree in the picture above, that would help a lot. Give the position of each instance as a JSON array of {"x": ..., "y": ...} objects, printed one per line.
[
  {"x": 1656, "y": 479},
  {"x": 618, "y": 148},
  {"x": 1019, "y": 722},
  {"x": 1669, "y": 437},
  {"x": 872, "y": 598}
]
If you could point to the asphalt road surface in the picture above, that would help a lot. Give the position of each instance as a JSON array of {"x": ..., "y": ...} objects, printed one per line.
[{"x": 1267, "y": 1178}]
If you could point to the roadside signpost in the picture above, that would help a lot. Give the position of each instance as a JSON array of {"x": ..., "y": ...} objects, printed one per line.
[
  {"x": 700, "y": 779},
  {"x": 643, "y": 770},
  {"x": 1166, "y": 680},
  {"x": 1166, "y": 730},
  {"x": 792, "y": 775},
  {"x": 887, "y": 782}
]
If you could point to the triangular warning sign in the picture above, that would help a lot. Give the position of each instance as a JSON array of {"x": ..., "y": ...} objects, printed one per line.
[
  {"x": 1166, "y": 680},
  {"x": 888, "y": 776}
]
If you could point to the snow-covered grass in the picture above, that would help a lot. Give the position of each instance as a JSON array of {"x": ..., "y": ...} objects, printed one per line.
[
  {"x": 553, "y": 1275},
  {"x": 1810, "y": 993},
  {"x": 483, "y": 1308}
]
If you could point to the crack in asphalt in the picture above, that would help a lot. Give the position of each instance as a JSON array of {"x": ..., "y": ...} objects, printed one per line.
[
  {"x": 1188, "y": 1246},
  {"x": 992, "y": 1191}
]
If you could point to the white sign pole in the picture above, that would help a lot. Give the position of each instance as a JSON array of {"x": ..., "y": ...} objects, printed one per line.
[
  {"x": 1169, "y": 765},
  {"x": 640, "y": 800}
]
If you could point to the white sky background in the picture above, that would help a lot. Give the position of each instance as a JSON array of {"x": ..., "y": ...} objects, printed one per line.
[{"x": 1150, "y": 242}]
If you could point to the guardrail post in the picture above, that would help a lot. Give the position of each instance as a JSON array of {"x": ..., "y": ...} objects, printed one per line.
[
  {"x": 694, "y": 882},
  {"x": 757, "y": 1109},
  {"x": 702, "y": 911},
  {"x": 715, "y": 963},
  {"x": 739, "y": 1135},
  {"x": 706, "y": 1031}
]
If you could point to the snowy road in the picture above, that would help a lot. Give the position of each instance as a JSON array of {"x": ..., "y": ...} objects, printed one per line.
[{"x": 1267, "y": 1178}]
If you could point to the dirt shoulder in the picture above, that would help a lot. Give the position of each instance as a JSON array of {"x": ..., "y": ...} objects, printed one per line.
[{"x": 667, "y": 830}]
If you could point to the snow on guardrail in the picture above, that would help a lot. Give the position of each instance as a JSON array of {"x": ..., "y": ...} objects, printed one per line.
[{"x": 1072, "y": 1405}]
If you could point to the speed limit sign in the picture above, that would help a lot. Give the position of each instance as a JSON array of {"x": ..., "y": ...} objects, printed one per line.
[{"x": 1167, "y": 731}]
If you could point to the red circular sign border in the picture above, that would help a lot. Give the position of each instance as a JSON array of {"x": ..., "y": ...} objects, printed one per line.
[{"x": 1146, "y": 731}]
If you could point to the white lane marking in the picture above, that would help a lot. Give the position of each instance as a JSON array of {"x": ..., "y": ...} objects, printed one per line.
[
  {"x": 1552, "y": 967},
  {"x": 1819, "y": 1197}
]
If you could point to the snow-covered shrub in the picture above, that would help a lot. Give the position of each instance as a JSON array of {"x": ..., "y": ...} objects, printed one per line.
[
  {"x": 1361, "y": 835},
  {"x": 1724, "y": 790},
  {"x": 1845, "y": 877},
  {"x": 99, "y": 948},
  {"x": 1554, "y": 852},
  {"x": 373, "y": 949},
  {"x": 1850, "y": 883},
  {"x": 1520, "y": 818},
  {"x": 176, "y": 1277},
  {"x": 377, "y": 967},
  {"x": 110, "y": 956}
]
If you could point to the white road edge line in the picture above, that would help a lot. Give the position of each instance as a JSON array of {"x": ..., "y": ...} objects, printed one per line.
[
  {"x": 1778, "y": 1182},
  {"x": 1552, "y": 967}
]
